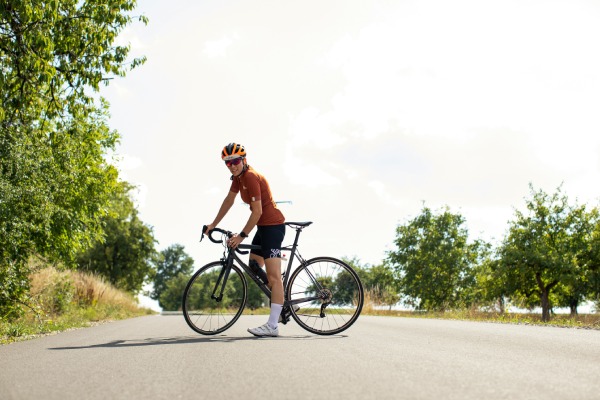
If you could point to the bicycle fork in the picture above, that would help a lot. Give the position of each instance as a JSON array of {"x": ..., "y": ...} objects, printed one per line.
[{"x": 223, "y": 275}]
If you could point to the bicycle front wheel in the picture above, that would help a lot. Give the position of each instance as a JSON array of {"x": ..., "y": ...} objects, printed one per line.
[
  {"x": 329, "y": 295},
  {"x": 214, "y": 298}
]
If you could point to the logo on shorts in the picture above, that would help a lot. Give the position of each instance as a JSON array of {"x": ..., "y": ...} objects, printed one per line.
[{"x": 275, "y": 253}]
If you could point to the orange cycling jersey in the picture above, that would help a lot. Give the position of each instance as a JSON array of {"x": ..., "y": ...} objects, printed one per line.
[{"x": 253, "y": 187}]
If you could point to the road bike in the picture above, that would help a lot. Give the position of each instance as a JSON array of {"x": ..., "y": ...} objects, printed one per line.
[{"x": 323, "y": 295}]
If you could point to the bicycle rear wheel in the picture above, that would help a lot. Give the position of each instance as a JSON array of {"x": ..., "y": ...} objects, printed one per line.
[
  {"x": 212, "y": 302},
  {"x": 329, "y": 294}
]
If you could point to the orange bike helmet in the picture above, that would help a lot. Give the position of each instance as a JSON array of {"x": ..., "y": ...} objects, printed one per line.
[{"x": 233, "y": 150}]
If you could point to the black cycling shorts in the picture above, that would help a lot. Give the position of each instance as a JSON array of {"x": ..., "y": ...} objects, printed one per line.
[{"x": 269, "y": 237}]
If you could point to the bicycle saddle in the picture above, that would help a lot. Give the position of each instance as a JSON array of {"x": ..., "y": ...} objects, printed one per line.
[{"x": 298, "y": 224}]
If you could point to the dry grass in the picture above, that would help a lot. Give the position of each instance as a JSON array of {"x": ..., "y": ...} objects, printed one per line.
[
  {"x": 373, "y": 305},
  {"x": 87, "y": 289},
  {"x": 65, "y": 299},
  {"x": 586, "y": 321}
]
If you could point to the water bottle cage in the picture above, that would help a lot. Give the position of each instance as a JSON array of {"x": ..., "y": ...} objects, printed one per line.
[{"x": 258, "y": 271}]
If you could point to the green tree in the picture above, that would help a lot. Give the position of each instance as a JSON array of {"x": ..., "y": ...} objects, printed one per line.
[
  {"x": 378, "y": 281},
  {"x": 433, "y": 261},
  {"x": 54, "y": 137},
  {"x": 383, "y": 285},
  {"x": 490, "y": 291},
  {"x": 344, "y": 283},
  {"x": 256, "y": 297},
  {"x": 577, "y": 285},
  {"x": 594, "y": 263},
  {"x": 172, "y": 296},
  {"x": 171, "y": 262},
  {"x": 126, "y": 253},
  {"x": 547, "y": 248},
  {"x": 200, "y": 297}
]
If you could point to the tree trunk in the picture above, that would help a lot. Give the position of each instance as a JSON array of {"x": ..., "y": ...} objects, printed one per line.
[
  {"x": 545, "y": 305},
  {"x": 545, "y": 296},
  {"x": 573, "y": 304},
  {"x": 501, "y": 305}
]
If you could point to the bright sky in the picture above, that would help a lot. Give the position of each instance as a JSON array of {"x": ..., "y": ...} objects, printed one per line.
[{"x": 359, "y": 113}]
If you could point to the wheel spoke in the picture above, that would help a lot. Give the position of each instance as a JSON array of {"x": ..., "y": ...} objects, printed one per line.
[
  {"x": 203, "y": 313},
  {"x": 337, "y": 287}
]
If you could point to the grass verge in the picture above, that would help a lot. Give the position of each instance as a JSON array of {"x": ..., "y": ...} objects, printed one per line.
[
  {"x": 584, "y": 321},
  {"x": 63, "y": 300}
]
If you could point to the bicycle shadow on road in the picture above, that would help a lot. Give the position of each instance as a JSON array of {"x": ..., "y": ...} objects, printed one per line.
[{"x": 192, "y": 339}]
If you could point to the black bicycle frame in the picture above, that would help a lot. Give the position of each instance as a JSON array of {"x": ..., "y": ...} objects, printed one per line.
[{"x": 230, "y": 256}]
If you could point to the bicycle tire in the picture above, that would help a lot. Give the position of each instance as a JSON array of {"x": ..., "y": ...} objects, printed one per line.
[
  {"x": 207, "y": 315},
  {"x": 342, "y": 296}
]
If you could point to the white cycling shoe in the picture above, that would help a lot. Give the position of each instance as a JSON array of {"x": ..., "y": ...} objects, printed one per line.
[{"x": 264, "y": 330}]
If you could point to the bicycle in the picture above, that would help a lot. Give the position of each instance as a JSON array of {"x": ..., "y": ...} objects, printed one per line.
[{"x": 323, "y": 295}]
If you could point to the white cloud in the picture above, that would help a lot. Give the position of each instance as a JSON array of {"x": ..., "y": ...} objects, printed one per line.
[
  {"x": 308, "y": 172},
  {"x": 443, "y": 70},
  {"x": 218, "y": 48},
  {"x": 130, "y": 37},
  {"x": 130, "y": 170},
  {"x": 312, "y": 128},
  {"x": 121, "y": 90},
  {"x": 380, "y": 189},
  {"x": 140, "y": 194},
  {"x": 128, "y": 162},
  {"x": 495, "y": 108}
]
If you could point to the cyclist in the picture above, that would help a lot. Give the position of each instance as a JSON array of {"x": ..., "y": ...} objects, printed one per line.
[{"x": 269, "y": 220}]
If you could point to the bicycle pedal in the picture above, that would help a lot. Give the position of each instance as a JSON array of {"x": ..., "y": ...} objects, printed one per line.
[{"x": 285, "y": 315}]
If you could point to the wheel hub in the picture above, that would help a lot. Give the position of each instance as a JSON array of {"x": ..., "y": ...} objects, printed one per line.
[{"x": 326, "y": 295}]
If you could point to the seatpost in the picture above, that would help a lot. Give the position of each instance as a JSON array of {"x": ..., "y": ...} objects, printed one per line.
[{"x": 298, "y": 230}]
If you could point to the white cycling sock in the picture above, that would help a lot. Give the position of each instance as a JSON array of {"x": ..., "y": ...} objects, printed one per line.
[{"x": 274, "y": 316}]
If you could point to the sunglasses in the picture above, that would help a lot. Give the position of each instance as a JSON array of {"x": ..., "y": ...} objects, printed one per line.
[{"x": 235, "y": 161}]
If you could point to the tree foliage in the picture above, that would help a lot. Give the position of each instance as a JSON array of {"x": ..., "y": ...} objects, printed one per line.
[
  {"x": 490, "y": 291},
  {"x": 378, "y": 281},
  {"x": 170, "y": 263},
  {"x": 54, "y": 137},
  {"x": 125, "y": 255},
  {"x": 256, "y": 298},
  {"x": 383, "y": 285},
  {"x": 549, "y": 249},
  {"x": 171, "y": 296},
  {"x": 433, "y": 261},
  {"x": 594, "y": 264}
]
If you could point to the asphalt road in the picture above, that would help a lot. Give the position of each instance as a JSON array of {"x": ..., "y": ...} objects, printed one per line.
[{"x": 159, "y": 357}]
